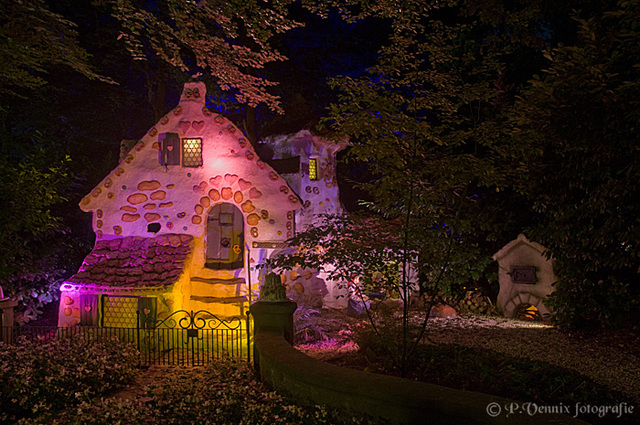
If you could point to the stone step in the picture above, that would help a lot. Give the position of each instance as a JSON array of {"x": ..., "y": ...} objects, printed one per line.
[
  {"x": 219, "y": 288},
  {"x": 220, "y": 307},
  {"x": 221, "y": 300},
  {"x": 215, "y": 280},
  {"x": 216, "y": 274}
]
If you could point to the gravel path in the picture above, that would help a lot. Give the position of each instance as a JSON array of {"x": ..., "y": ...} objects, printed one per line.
[
  {"x": 611, "y": 361},
  {"x": 609, "y": 358}
]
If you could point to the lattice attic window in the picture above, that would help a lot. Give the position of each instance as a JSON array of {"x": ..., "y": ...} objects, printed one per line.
[{"x": 192, "y": 152}]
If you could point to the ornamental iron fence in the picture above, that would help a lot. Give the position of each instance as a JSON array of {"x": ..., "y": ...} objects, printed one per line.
[{"x": 185, "y": 338}]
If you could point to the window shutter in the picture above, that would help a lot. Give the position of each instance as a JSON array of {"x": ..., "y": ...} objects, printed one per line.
[
  {"x": 88, "y": 310},
  {"x": 147, "y": 309},
  {"x": 170, "y": 152}
]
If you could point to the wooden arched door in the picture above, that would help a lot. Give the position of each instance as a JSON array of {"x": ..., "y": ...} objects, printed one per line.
[{"x": 225, "y": 237}]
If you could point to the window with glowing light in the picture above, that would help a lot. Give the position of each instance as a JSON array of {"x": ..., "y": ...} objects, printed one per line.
[
  {"x": 192, "y": 152},
  {"x": 313, "y": 169}
]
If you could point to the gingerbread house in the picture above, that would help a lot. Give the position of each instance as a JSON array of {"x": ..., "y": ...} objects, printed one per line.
[{"x": 190, "y": 211}]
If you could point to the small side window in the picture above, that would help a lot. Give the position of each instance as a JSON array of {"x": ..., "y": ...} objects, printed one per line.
[{"x": 313, "y": 169}]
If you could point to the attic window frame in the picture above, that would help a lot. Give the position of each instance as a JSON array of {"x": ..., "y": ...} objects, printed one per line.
[
  {"x": 192, "y": 159},
  {"x": 313, "y": 169}
]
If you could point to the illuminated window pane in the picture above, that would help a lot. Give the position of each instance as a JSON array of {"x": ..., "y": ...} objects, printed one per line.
[
  {"x": 191, "y": 152},
  {"x": 313, "y": 169}
]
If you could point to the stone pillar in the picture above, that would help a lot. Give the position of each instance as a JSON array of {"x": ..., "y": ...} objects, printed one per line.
[
  {"x": 274, "y": 317},
  {"x": 6, "y": 320}
]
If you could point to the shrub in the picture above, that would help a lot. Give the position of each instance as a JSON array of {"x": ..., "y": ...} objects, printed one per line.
[
  {"x": 221, "y": 393},
  {"x": 40, "y": 376}
]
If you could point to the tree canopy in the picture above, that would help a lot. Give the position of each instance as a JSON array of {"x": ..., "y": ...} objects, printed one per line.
[{"x": 472, "y": 120}]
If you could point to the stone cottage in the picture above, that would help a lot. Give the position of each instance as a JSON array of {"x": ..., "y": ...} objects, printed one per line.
[
  {"x": 191, "y": 210},
  {"x": 526, "y": 278}
]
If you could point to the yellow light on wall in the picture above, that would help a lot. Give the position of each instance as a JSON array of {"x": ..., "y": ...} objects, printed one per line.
[
  {"x": 313, "y": 169},
  {"x": 191, "y": 152}
]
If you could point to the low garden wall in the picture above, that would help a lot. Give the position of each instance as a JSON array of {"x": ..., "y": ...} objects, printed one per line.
[{"x": 399, "y": 400}]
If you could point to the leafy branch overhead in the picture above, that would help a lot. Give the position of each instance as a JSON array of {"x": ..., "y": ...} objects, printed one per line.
[
  {"x": 227, "y": 39},
  {"x": 32, "y": 40}
]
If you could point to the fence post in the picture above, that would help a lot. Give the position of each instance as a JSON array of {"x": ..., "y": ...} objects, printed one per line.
[
  {"x": 272, "y": 316},
  {"x": 248, "y": 332},
  {"x": 138, "y": 333}
]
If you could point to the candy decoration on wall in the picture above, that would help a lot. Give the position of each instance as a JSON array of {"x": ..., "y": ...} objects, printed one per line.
[
  {"x": 150, "y": 217},
  {"x": 243, "y": 184},
  {"x": 149, "y": 185},
  {"x": 226, "y": 193},
  {"x": 198, "y": 126},
  {"x": 255, "y": 193},
  {"x": 158, "y": 195},
  {"x": 248, "y": 207},
  {"x": 200, "y": 188},
  {"x": 137, "y": 198},
  {"x": 184, "y": 126},
  {"x": 230, "y": 178},
  {"x": 253, "y": 219}
]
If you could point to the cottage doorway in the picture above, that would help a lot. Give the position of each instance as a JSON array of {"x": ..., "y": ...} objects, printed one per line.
[{"x": 225, "y": 237}]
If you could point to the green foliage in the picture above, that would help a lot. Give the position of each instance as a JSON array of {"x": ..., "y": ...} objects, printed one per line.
[
  {"x": 227, "y": 40},
  {"x": 273, "y": 289},
  {"x": 576, "y": 129},
  {"x": 39, "y": 377},
  {"x": 32, "y": 40},
  {"x": 345, "y": 247},
  {"x": 222, "y": 393},
  {"x": 33, "y": 256}
]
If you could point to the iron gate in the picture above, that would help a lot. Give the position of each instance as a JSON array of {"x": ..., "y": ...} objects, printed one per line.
[
  {"x": 191, "y": 338},
  {"x": 184, "y": 338}
]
